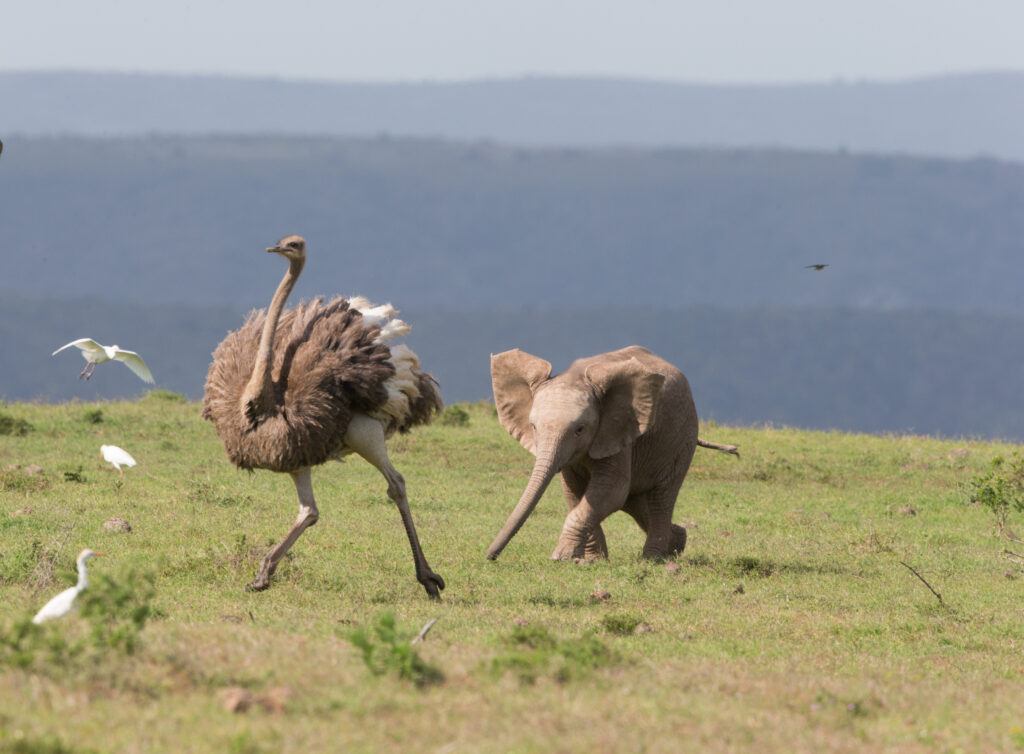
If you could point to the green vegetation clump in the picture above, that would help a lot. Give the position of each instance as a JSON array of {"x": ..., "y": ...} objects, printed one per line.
[
  {"x": 1001, "y": 488},
  {"x": 16, "y": 480},
  {"x": 14, "y": 427},
  {"x": 454, "y": 416},
  {"x": 535, "y": 653},
  {"x": 167, "y": 396},
  {"x": 388, "y": 649},
  {"x": 93, "y": 416},
  {"x": 620, "y": 624}
]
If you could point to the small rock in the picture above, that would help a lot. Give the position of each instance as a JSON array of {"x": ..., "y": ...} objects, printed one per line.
[
  {"x": 673, "y": 567},
  {"x": 237, "y": 699},
  {"x": 32, "y": 469},
  {"x": 908, "y": 510},
  {"x": 739, "y": 590},
  {"x": 600, "y": 595},
  {"x": 643, "y": 628},
  {"x": 116, "y": 523},
  {"x": 275, "y": 699},
  {"x": 230, "y": 619},
  {"x": 22, "y": 512}
]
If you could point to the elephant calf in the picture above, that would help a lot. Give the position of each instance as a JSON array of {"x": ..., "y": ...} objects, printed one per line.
[{"x": 621, "y": 428}]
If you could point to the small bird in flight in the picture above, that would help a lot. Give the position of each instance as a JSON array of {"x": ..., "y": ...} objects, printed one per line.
[
  {"x": 94, "y": 354},
  {"x": 816, "y": 267}
]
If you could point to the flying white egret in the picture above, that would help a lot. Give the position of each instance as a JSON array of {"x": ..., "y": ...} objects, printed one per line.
[
  {"x": 61, "y": 604},
  {"x": 94, "y": 353},
  {"x": 116, "y": 456}
]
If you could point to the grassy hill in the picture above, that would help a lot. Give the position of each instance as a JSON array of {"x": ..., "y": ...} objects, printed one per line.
[
  {"x": 789, "y": 624},
  {"x": 430, "y": 224},
  {"x": 931, "y": 372}
]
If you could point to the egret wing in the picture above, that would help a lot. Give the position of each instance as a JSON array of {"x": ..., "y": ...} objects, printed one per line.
[
  {"x": 58, "y": 606},
  {"x": 134, "y": 362},
  {"x": 114, "y": 454},
  {"x": 86, "y": 344}
]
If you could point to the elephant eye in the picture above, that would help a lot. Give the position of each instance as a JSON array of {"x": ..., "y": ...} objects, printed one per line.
[{"x": 579, "y": 429}]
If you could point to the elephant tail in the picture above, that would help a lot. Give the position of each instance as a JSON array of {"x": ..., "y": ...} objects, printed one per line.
[{"x": 731, "y": 449}]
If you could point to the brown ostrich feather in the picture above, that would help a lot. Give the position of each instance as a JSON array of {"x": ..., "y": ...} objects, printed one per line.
[{"x": 326, "y": 366}]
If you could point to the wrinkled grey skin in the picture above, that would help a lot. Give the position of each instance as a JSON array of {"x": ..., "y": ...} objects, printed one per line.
[{"x": 621, "y": 428}]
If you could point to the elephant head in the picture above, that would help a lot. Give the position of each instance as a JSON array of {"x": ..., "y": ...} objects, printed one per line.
[{"x": 590, "y": 412}]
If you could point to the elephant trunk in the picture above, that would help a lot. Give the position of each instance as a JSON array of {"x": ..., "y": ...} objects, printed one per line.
[{"x": 544, "y": 469}]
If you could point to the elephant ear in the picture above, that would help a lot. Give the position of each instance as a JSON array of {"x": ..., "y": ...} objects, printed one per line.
[
  {"x": 515, "y": 376},
  {"x": 627, "y": 392}
]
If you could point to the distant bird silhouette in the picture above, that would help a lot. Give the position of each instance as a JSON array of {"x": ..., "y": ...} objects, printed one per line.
[
  {"x": 815, "y": 267},
  {"x": 94, "y": 354},
  {"x": 117, "y": 457}
]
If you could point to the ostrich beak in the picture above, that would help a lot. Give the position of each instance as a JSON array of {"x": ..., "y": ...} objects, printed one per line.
[{"x": 273, "y": 249}]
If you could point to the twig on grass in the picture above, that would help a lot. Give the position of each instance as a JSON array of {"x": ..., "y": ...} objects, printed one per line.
[
  {"x": 937, "y": 595},
  {"x": 423, "y": 632},
  {"x": 1016, "y": 557}
]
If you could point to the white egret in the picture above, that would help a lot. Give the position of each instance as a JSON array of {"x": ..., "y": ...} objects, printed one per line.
[
  {"x": 117, "y": 456},
  {"x": 61, "y": 604},
  {"x": 94, "y": 353}
]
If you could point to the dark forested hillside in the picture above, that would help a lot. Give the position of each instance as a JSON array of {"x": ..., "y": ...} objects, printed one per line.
[
  {"x": 951, "y": 116},
  {"x": 429, "y": 224},
  {"x": 923, "y": 372}
]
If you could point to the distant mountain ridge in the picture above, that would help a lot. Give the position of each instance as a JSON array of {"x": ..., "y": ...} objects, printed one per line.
[
  {"x": 431, "y": 224},
  {"x": 957, "y": 116}
]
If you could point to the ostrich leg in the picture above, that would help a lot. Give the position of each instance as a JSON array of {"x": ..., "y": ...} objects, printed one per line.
[
  {"x": 365, "y": 436},
  {"x": 308, "y": 515}
]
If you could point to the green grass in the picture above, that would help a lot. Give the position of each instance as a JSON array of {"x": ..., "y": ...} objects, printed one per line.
[{"x": 789, "y": 623}]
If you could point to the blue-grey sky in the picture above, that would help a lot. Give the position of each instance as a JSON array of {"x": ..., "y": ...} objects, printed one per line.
[{"x": 749, "y": 41}]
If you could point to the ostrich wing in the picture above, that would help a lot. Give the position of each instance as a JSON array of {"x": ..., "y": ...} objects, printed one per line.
[
  {"x": 134, "y": 362},
  {"x": 88, "y": 345}
]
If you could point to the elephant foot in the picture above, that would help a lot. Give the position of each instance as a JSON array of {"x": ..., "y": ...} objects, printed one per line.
[
  {"x": 658, "y": 550},
  {"x": 678, "y": 541}
]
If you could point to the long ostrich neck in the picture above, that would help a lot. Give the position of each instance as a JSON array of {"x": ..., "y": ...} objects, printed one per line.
[{"x": 260, "y": 383}]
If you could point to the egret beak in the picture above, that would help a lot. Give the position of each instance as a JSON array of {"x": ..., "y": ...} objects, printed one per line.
[{"x": 94, "y": 553}]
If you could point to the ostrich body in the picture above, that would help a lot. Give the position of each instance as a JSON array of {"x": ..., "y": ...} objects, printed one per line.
[{"x": 292, "y": 389}]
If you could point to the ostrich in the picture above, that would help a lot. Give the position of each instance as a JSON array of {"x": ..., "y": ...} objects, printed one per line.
[{"x": 292, "y": 389}]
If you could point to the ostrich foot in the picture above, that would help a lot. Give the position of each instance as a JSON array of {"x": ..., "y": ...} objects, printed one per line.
[
  {"x": 432, "y": 582},
  {"x": 262, "y": 580}
]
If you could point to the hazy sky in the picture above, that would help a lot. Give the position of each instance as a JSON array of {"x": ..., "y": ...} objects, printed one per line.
[{"x": 413, "y": 40}]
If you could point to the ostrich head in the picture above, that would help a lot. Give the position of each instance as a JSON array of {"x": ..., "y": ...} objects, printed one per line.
[{"x": 292, "y": 248}]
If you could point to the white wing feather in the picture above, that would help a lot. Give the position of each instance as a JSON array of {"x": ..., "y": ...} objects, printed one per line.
[
  {"x": 86, "y": 344},
  {"x": 115, "y": 455},
  {"x": 58, "y": 606},
  {"x": 134, "y": 362}
]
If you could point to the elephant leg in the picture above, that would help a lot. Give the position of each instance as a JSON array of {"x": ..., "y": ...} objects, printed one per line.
[
  {"x": 574, "y": 486},
  {"x": 308, "y": 515},
  {"x": 664, "y": 539},
  {"x": 606, "y": 492},
  {"x": 366, "y": 437}
]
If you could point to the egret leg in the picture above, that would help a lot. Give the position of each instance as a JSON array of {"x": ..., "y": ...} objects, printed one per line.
[
  {"x": 308, "y": 515},
  {"x": 86, "y": 369},
  {"x": 366, "y": 437}
]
